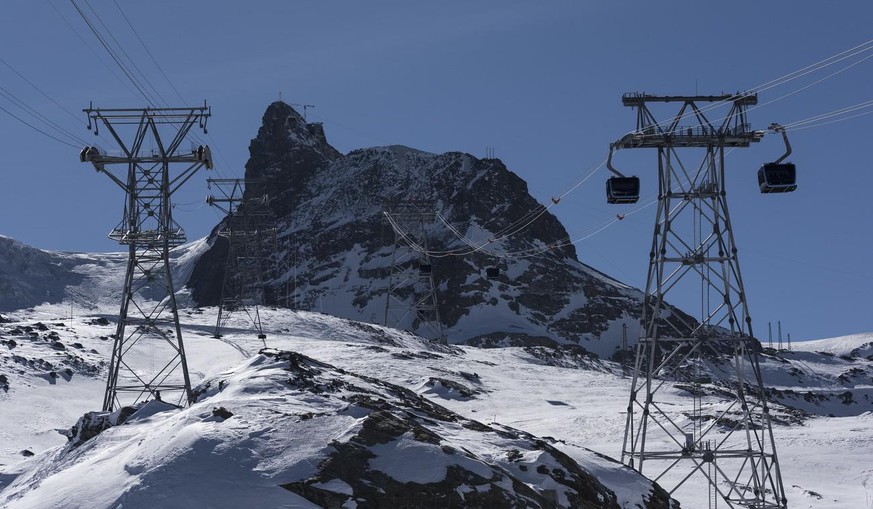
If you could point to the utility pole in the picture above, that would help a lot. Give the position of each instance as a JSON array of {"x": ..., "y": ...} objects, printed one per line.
[
  {"x": 150, "y": 142},
  {"x": 411, "y": 299},
  {"x": 729, "y": 445},
  {"x": 624, "y": 336},
  {"x": 250, "y": 231},
  {"x": 779, "y": 324}
]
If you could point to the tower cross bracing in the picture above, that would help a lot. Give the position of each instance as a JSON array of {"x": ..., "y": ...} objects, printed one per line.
[
  {"x": 411, "y": 297},
  {"x": 249, "y": 228},
  {"x": 148, "y": 355},
  {"x": 725, "y": 442}
]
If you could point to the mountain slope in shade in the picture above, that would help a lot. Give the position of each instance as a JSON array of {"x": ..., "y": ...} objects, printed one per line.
[{"x": 336, "y": 250}]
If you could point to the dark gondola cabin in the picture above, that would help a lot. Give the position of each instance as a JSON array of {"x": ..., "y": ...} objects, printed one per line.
[
  {"x": 622, "y": 190},
  {"x": 424, "y": 269},
  {"x": 777, "y": 178},
  {"x": 492, "y": 273}
]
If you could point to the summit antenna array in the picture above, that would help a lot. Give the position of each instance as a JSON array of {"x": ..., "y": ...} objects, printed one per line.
[
  {"x": 148, "y": 322},
  {"x": 250, "y": 230},
  {"x": 729, "y": 444},
  {"x": 411, "y": 300}
]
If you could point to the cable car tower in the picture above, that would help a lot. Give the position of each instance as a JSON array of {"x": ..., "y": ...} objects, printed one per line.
[
  {"x": 148, "y": 355},
  {"x": 726, "y": 445},
  {"x": 250, "y": 230},
  {"x": 411, "y": 301}
]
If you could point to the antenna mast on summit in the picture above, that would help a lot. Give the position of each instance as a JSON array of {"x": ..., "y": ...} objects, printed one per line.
[
  {"x": 148, "y": 355},
  {"x": 727, "y": 445},
  {"x": 304, "y": 106}
]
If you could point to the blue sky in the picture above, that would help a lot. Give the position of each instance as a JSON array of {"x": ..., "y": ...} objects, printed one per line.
[{"x": 541, "y": 82}]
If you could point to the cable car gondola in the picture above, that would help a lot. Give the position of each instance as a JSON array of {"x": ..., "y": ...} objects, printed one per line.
[
  {"x": 425, "y": 269},
  {"x": 492, "y": 273},
  {"x": 778, "y": 177},
  {"x": 621, "y": 189}
]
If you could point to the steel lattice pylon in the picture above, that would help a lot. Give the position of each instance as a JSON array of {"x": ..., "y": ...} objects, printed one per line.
[
  {"x": 728, "y": 444},
  {"x": 148, "y": 355},
  {"x": 411, "y": 300},
  {"x": 250, "y": 230}
]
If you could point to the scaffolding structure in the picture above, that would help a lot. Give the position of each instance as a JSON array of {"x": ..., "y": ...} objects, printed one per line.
[
  {"x": 148, "y": 354},
  {"x": 729, "y": 444},
  {"x": 249, "y": 228},
  {"x": 411, "y": 298}
]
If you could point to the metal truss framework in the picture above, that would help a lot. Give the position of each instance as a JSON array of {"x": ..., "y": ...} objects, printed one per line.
[
  {"x": 148, "y": 354},
  {"x": 250, "y": 230},
  {"x": 730, "y": 445},
  {"x": 411, "y": 299}
]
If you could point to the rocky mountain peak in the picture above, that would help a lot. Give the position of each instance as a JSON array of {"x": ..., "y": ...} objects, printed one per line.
[
  {"x": 285, "y": 154},
  {"x": 337, "y": 254}
]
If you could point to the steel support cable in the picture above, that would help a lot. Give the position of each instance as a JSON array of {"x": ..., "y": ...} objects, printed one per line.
[
  {"x": 816, "y": 120},
  {"x": 838, "y": 57},
  {"x": 194, "y": 136},
  {"x": 37, "y": 129},
  {"x": 142, "y": 77},
  {"x": 68, "y": 112},
  {"x": 529, "y": 218},
  {"x": 832, "y": 121},
  {"x": 834, "y": 59},
  {"x": 524, "y": 253},
  {"x": 519, "y": 225},
  {"x": 129, "y": 74},
  {"x": 161, "y": 100},
  {"x": 847, "y": 109},
  {"x": 39, "y": 116},
  {"x": 865, "y": 47},
  {"x": 97, "y": 55},
  {"x": 112, "y": 54},
  {"x": 809, "y": 85},
  {"x": 43, "y": 93},
  {"x": 412, "y": 244},
  {"x": 555, "y": 201},
  {"x": 143, "y": 44},
  {"x": 455, "y": 231},
  {"x": 571, "y": 241}
]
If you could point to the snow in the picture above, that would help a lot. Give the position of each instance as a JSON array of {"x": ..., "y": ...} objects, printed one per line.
[
  {"x": 204, "y": 461},
  {"x": 843, "y": 345},
  {"x": 407, "y": 460}
]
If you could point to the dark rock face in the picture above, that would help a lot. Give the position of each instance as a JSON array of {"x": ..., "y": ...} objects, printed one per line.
[{"x": 336, "y": 250}]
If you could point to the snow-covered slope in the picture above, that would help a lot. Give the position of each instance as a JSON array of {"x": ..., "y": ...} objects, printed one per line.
[
  {"x": 573, "y": 401},
  {"x": 52, "y": 370},
  {"x": 303, "y": 434},
  {"x": 856, "y": 345}
]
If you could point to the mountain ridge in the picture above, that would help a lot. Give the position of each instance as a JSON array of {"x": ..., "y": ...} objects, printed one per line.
[{"x": 335, "y": 251}]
